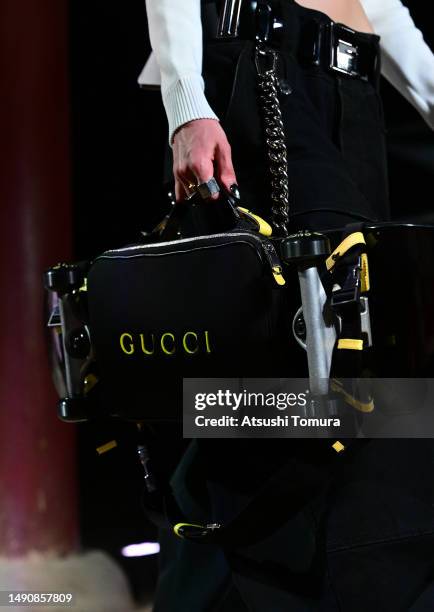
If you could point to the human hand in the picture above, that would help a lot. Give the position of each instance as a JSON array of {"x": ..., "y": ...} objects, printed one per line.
[{"x": 201, "y": 151}]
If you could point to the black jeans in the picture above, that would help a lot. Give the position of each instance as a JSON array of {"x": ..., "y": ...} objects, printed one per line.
[{"x": 365, "y": 541}]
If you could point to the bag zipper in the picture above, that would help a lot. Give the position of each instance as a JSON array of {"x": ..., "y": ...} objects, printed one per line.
[
  {"x": 274, "y": 261},
  {"x": 267, "y": 249}
]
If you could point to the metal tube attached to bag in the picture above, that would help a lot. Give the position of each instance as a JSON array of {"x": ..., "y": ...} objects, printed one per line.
[
  {"x": 320, "y": 337},
  {"x": 306, "y": 249}
]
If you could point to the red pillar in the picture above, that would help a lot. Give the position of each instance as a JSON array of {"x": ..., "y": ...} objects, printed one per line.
[{"x": 38, "y": 495}]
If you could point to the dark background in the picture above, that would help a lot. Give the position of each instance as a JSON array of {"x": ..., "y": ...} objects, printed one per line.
[{"x": 118, "y": 134}]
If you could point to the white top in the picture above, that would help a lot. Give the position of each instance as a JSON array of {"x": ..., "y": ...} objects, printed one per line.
[{"x": 175, "y": 31}]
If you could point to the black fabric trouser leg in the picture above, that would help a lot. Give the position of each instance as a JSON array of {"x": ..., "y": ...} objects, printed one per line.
[{"x": 365, "y": 545}]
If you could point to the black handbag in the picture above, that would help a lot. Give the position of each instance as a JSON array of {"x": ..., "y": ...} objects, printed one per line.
[
  {"x": 202, "y": 295},
  {"x": 187, "y": 301}
]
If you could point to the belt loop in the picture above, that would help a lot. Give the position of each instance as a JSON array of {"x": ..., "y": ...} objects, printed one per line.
[
  {"x": 377, "y": 68},
  {"x": 286, "y": 11}
]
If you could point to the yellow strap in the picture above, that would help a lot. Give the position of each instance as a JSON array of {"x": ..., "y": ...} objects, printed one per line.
[
  {"x": 351, "y": 344},
  {"x": 106, "y": 447},
  {"x": 264, "y": 228},
  {"x": 365, "y": 283},
  {"x": 345, "y": 245},
  {"x": 179, "y": 526},
  {"x": 365, "y": 407}
]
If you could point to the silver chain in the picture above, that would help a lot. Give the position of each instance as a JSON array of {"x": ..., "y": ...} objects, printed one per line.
[{"x": 266, "y": 60}]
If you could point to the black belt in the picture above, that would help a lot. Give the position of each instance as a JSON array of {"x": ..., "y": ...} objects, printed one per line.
[{"x": 332, "y": 46}]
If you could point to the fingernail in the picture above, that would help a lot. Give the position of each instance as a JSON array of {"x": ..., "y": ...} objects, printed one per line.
[{"x": 235, "y": 191}]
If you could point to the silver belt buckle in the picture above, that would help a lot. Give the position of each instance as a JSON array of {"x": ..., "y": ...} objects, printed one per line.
[{"x": 344, "y": 53}]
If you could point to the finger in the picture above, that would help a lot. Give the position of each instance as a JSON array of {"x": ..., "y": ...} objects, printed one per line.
[
  {"x": 188, "y": 181},
  {"x": 179, "y": 187},
  {"x": 203, "y": 170},
  {"x": 225, "y": 172},
  {"x": 179, "y": 191},
  {"x": 183, "y": 186}
]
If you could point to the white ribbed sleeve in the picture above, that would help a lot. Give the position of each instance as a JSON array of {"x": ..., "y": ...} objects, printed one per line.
[
  {"x": 184, "y": 100},
  {"x": 407, "y": 61},
  {"x": 175, "y": 31},
  {"x": 176, "y": 37}
]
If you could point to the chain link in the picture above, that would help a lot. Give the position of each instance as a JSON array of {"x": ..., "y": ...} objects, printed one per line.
[{"x": 265, "y": 60}]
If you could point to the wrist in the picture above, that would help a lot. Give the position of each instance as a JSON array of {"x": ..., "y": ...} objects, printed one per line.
[{"x": 194, "y": 122}]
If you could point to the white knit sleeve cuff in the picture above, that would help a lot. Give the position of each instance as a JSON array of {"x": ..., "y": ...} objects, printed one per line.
[{"x": 185, "y": 101}]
